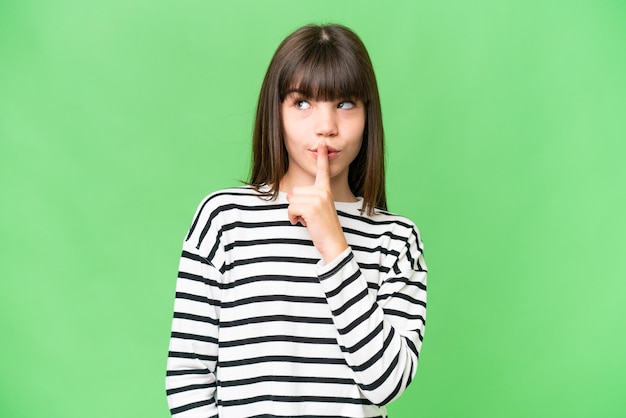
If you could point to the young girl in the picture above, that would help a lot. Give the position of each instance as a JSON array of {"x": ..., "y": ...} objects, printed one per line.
[{"x": 299, "y": 295}]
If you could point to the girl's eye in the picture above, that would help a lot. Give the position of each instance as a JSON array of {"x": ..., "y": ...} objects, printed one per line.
[
  {"x": 302, "y": 104},
  {"x": 346, "y": 105}
]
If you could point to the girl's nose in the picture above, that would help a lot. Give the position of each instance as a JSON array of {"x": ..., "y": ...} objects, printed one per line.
[{"x": 326, "y": 122}]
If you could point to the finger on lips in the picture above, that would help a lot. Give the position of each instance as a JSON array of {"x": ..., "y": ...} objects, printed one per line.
[{"x": 322, "y": 176}]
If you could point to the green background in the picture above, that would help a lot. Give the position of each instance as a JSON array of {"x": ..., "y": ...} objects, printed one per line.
[{"x": 506, "y": 133}]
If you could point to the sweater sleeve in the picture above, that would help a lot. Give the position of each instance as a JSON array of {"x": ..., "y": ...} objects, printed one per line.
[
  {"x": 380, "y": 336},
  {"x": 190, "y": 378}
]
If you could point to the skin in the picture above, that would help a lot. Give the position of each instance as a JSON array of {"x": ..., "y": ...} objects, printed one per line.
[{"x": 322, "y": 139}]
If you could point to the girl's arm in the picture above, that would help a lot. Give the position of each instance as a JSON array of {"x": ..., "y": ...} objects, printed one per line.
[
  {"x": 380, "y": 336},
  {"x": 190, "y": 379}
]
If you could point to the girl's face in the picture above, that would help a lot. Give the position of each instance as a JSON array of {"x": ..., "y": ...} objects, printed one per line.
[{"x": 306, "y": 122}]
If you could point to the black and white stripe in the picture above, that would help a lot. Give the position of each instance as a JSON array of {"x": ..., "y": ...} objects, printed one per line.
[{"x": 263, "y": 328}]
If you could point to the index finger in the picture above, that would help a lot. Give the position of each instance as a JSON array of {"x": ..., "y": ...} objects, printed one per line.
[{"x": 322, "y": 176}]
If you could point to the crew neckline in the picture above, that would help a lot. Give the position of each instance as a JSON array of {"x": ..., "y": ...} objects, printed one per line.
[{"x": 339, "y": 205}]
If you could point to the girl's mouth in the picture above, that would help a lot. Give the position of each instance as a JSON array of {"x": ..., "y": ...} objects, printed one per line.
[{"x": 332, "y": 152}]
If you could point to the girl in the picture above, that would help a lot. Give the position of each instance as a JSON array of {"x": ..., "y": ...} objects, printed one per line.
[{"x": 299, "y": 295}]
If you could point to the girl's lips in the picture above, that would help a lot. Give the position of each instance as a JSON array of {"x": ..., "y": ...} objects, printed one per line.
[{"x": 332, "y": 153}]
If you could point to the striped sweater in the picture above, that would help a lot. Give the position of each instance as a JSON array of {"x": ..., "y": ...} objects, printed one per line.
[{"x": 263, "y": 328}]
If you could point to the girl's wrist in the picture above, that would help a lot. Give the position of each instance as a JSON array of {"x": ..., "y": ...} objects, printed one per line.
[{"x": 331, "y": 252}]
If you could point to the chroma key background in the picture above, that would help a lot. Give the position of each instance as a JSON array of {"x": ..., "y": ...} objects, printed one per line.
[{"x": 506, "y": 130}]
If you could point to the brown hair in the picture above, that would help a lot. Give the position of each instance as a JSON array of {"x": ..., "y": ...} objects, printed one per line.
[{"x": 327, "y": 62}]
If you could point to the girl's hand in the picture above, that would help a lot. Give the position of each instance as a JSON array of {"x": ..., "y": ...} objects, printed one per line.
[{"x": 314, "y": 208}]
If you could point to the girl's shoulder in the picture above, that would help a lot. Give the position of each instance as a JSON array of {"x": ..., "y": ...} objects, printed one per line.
[
  {"x": 233, "y": 197},
  {"x": 380, "y": 223},
  {"x": 223, "y": 206},
  {"x": 405, "y": 230},
  {"x": 385, "y": 217}
]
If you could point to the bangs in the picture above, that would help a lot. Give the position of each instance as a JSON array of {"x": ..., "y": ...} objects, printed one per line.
[{"x": 324, "y": 72}]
